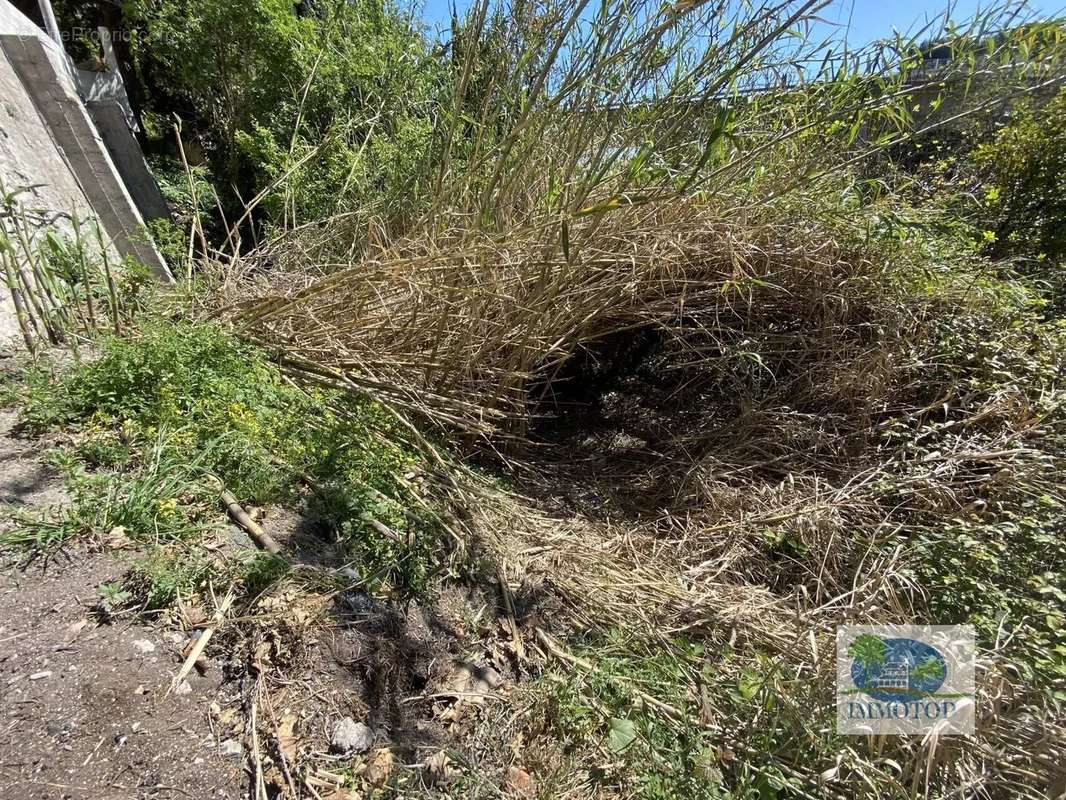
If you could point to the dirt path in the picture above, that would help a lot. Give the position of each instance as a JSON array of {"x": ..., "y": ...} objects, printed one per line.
[{"x": 84, "y": 711}]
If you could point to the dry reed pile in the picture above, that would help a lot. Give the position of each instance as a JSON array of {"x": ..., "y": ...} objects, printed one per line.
[
  {"x": 751, "y": 490},
  {"x": 460, "y": 330},
  {"x": 729, "y": 402}
]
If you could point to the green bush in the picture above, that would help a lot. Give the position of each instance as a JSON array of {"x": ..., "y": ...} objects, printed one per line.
[
  {"x": 1024, "y": 167},
  {"x": 258, "y": 84},
  {"x": 651, "y": 757},
  {"x": 991, "y": 554},
  {"x": 213, "y": 394}
]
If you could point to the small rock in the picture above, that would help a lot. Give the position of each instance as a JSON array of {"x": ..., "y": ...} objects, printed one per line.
[
  {"x": 351, "y": 737},
  {"x": 379, "y": 766},
  {"x": 75, "y": 628},
  {"x": 519, "y": 781},
  {"x": 38, "y": 675},
  {"x": 116, "y": 538},
  {"x": 439, "y": 770},
  {"x": 144, "y": 646},
  {"x": 183, "y": 688},
  {"x": 231, "y": 748},
  {"x": 359, "y": 602},
  {"x": 472, "y": 682}
]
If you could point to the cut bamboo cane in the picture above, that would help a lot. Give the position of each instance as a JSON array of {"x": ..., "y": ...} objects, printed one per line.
[
  {"x": 20, "y": 307},
  {"x": 242, "y": 518},
  {"x": 205, "y": 636},
  {"x": 31, "y": 291},
  {"x": 86, "y": 284},
  {"x": 112, "y": 293},
  {"x": 508, "y": 606}
]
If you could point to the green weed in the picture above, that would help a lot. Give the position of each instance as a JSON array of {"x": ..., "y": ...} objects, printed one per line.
[
  {"x": 997, "y": 558},
  {"x": 162, "y": 498},
  {"x": 167, "y": 412},
  {"x": 113, "y": 598},
  {"x": 632, "y": 748},
  {"x": 155, "y": 581},
  {"x": 261, "y": 572},
  {"x": 649, "y": 755}
]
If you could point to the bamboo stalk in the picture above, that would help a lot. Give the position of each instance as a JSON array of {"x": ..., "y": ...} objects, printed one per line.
[
  {"x": 112, "y": 293},
  {"x": 242, "y": 518},
  {"x": 16, "y": 298},
  {"x": 86, "y": 283},
  {"x": 29, "y": 291},
  {"x": 201, "y": 642}
]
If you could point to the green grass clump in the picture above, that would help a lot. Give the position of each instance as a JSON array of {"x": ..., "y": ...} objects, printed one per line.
[
  {"x": 159, "y": 499},
  {"x": 157, "y": 580},
  {"x": 216, "y": 395},
  {"x": 165, "y": 413}
]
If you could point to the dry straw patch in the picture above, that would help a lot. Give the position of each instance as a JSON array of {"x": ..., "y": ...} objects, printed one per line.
[
  {"x": 475, "y": 334},
  {"x": 457, "y": 329}
]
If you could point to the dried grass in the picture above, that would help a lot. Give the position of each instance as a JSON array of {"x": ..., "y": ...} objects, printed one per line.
[
  {"x": 458, "y": 331},
  {"x": 742, "y": 491}
]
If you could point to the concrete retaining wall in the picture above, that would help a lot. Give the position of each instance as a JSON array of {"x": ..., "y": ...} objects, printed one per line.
[{"x": 52, "y": 151}]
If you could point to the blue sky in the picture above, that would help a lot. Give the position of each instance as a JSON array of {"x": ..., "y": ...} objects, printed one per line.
[
  {"x": 876, "y": 19},
  {"x": 869, "y": 19}
]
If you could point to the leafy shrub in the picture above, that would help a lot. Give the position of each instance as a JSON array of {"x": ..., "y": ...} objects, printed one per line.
[
  {"x": 1024, "y": 166},
  {"x": 989, "y": 553},
  {"x": 157, "y": 580},
  {"x": 261, "y": 83},
  {"x": 212, "y": 393},
  {"x": 1003, "y": 574},
  {"x": 662, "y": 760},
  {"x": 169, "y": 239}
]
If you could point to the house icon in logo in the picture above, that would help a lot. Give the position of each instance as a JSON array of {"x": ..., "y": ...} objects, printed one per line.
[{"x": 893, "y": 676}]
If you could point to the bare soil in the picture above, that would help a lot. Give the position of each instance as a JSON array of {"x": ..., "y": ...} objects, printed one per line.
[
  {"x": 84, "y": 705},
  {"x": 85, "y": 710}
]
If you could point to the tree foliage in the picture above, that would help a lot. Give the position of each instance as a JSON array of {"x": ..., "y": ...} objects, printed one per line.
[
  {"x": 1025, "y": 164},
  {"x": 338, "y": 97}
]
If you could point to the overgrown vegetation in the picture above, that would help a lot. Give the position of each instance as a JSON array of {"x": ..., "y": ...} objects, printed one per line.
[
  {"x": 65, "y": 283},
  {"x": 758, "y": 356},
  {"x": 313, "y": 108},
  {"x": 170, "y": 416}
]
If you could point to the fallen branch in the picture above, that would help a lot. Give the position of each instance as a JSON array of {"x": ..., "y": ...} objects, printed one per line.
[
  {"x": 512, "y": 622},
  {"x": 242, "y": 518},
  {"x": 201, "y": 642}
]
